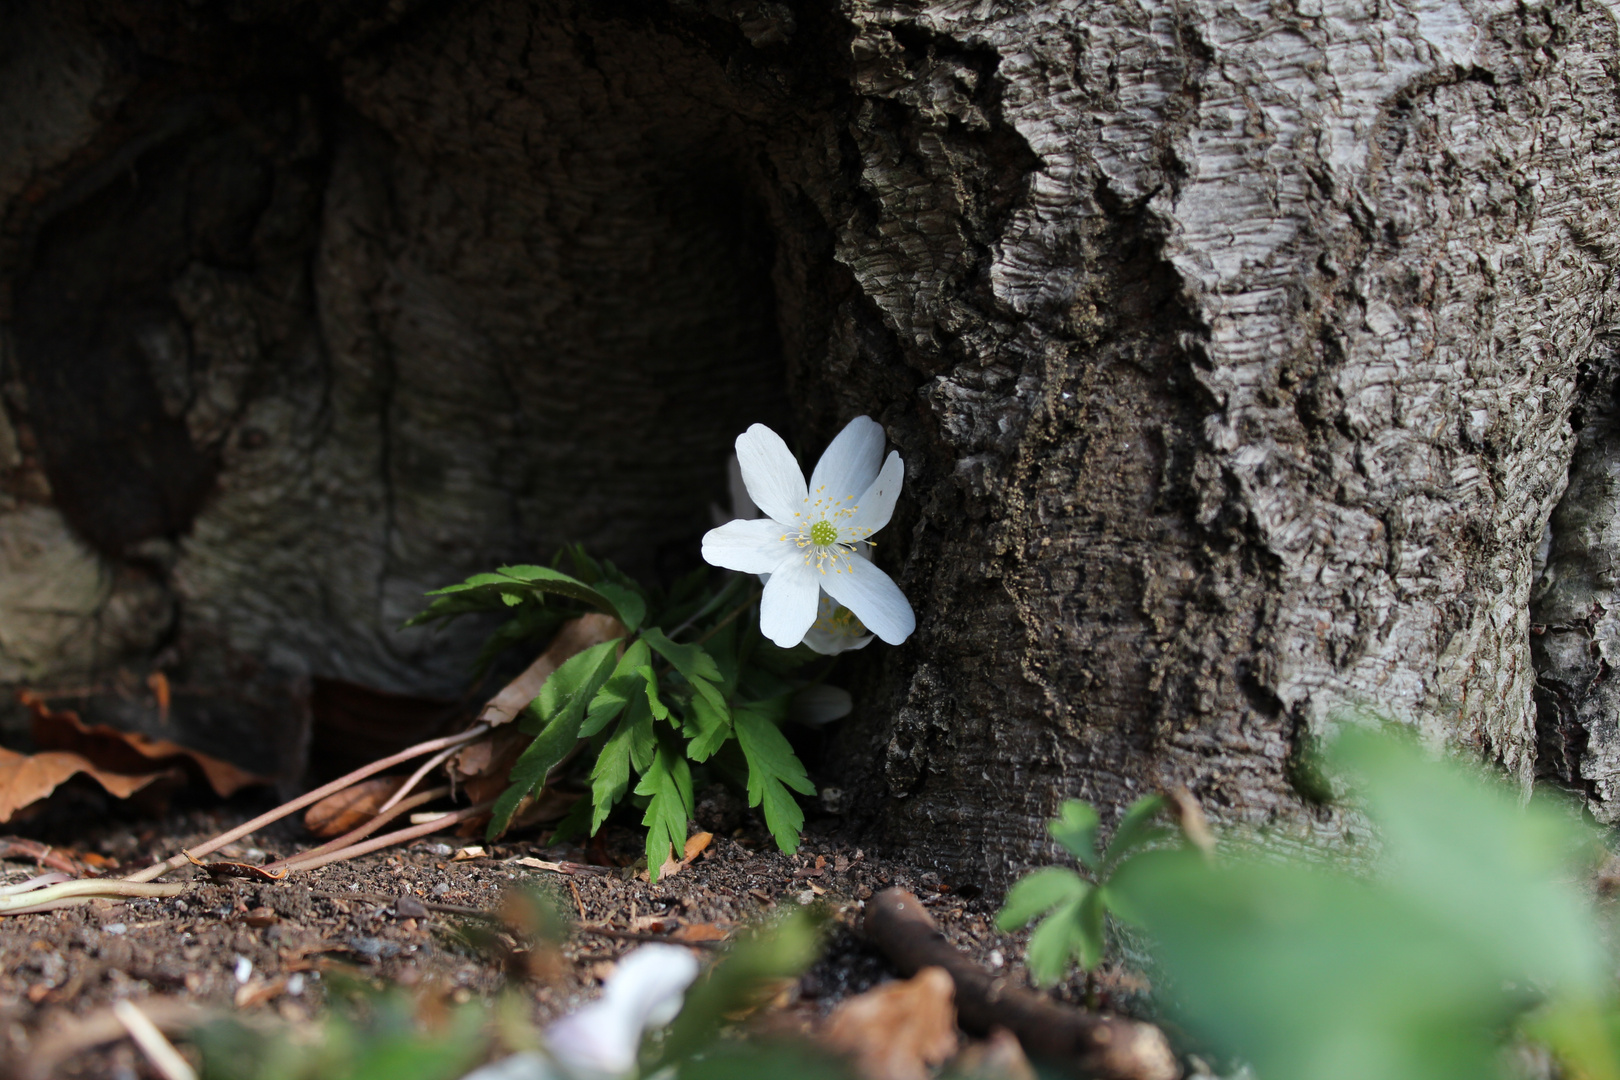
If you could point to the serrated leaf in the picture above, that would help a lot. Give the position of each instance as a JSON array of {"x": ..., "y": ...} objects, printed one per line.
[
  {"x": 695, "y": 665},
  {"x": 610, "y": 776},
  {"x": 625, "y": 682},
  {"x": 773, "y": 767},
  {"x": 560, "y": 706},
  {"x": 1075, "y": 828},
  {"x": 668, "y": 783},
  {"x": 690, "y": 660},
  {"x": 649, "y": 684},
  {"x": 1037, "y": 893},
  {"x": 1136, "y": 830},
  {"x": 707, "y": 729},
  {"x": 1055, "y": 944}
]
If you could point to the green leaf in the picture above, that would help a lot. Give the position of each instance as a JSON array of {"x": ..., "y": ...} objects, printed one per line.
[
  {"x": 707, "y": 727},
  {"x": 1056, "y": 943},
  {"x": 511, "y": 585},
  {"x": 630, "y": 605},
  {"x": 669, "y": 784},
  {"x": 1136, "y": 830},
  {"x": 696, "y": 666},
  {"x": 1089, "y": 918},
  {"x": 610, "y": 776},
  {"x": 773, "y": 767},
  {"x": 1075, "y": 828},
  {"x": 625, "y": 683},
  {"x": 560, "y": 706},
  {"x": 1037, "y": 893}
]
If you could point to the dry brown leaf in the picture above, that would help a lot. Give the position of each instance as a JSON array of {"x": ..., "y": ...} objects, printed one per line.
[
  {"x": 694, "y": 932},
  {"x": 351, "y": 807},
  {"x": 575, "y": 635},
  {"x": 27, "y": 778},
  {"x": 696, "y": 845},
  {"x": 899, "y": 1030},
  {"x": 126, "y": 752}
]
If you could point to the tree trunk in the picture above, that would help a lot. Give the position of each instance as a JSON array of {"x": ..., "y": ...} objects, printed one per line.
[{"x": 1233, "y": 351}]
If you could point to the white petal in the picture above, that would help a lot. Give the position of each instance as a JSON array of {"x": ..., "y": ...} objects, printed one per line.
[
  {"x": 741, "y": 505},
  {"x": 850, "y": 463},
  {"x": 875, "y": 506},
  {"x": 649, "y": 982},
  {"x": 874, "y": 598},
  {"x": 752, "y": 547},
  {"x": 773, "y": 479},
  {"x": 828, "y": 643},
  {"x": 645, "y": 989},
  {"x": 787, "y": 608}
]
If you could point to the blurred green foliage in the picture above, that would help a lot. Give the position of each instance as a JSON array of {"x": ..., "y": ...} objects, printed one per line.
[{"x": 1466, "y": 930}]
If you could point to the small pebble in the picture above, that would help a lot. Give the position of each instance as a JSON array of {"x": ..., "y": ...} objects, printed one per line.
[
  {"x": 996, "y": 959},
  {"x": 295, "y": 984},
  {"x": 440, "y": 850},
  {"x": 441, "y": 888},
  {"x": 114, "y": 928},
  {"x": 244, "y": 969}
]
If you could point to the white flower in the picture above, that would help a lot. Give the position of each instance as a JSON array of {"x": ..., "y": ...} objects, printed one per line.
[
  {"x": 811, "y": 542},
  {"x": 836, "y": 628},
  {"x": 645, "y": 991}
]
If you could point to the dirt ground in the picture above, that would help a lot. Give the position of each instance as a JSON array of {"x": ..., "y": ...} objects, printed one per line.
[{"x": 402, "y": 916}]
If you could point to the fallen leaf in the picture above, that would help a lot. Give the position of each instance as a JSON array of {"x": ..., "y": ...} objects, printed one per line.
[
  {"x": 693, "y": 932},
  {"x": 27, "y": 778},
  {"x": 575, "y": 635},
  {"x": 351, "y": 807},
  {"x": 899, "y": 1030},
  {"x": 126, "y": 752},
  {"x": 653, "y": 924},
  {"x": 695, "y": 846},
  {"x": 471, "y": 852},
  {"x": 218, "y": 871}
]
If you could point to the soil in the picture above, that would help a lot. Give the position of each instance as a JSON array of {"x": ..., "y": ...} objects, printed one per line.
[{"x": 406, "y": 916}]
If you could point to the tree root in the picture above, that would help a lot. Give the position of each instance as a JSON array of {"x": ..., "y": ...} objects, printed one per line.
[{"x": 1107, "y": 1047}]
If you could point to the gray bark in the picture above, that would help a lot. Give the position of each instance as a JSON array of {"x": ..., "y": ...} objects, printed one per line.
[{"x": 1233, "y": 349}]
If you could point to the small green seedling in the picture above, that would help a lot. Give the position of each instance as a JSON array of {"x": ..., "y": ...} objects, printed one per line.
[{"x": 1072, "y": 931}]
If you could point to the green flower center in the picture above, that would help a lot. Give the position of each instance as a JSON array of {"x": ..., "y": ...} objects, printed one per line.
[{"x": 823, "y": 533}]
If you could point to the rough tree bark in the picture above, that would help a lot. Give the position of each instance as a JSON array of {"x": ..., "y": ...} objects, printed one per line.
[{"x": 1239, "y": 352}]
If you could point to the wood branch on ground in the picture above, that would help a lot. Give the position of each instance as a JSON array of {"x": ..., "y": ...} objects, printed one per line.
[{"x": 1108, "y": 1047}]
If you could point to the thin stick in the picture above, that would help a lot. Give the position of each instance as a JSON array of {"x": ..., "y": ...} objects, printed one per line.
[
  {"x": 158, "y": 1050},
  {"x": 354, "y": 851},
  {"x": 174, "y": 862},
  {"x": 359, "y": 832},
  {"x": 416, "y": 777}
]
